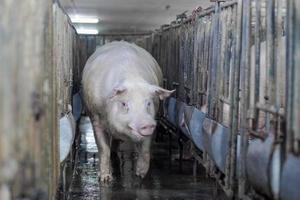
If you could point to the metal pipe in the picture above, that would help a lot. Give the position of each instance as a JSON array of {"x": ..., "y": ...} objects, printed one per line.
[
  {"x": 213, "y": 72},
  {"x": 271, "y": 65},
  {"x": 296, "y": 79},
  {"x": 207, "y": 49},
  {"x": 203, "y": 13},
  {"x": 244, "y": 77},
  {"x": 289, "y": 75},
  {"x": 270, "y": 109},
  {"x": 234, "y": 96},
  {"x": 257, "y": 38}
]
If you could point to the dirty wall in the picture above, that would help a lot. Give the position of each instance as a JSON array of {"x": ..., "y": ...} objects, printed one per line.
[{"x": 39, "y": 64}]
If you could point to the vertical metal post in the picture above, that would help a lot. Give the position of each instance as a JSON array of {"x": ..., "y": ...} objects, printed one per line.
[
  {"x": 296, "y": 108},
  {"x": 234, "y": 99},
  {"x": 244, "y": 103},
  {"x": 280, "y": 71},
  {"x": 289, "y": 74},
  {"x": 195, "y": 64},
  {"x": 213, "y": 94},
  {"x": 257, "y": 38},
  {"x": 233, "y": 96},
  {"x": 293, "y": 77},
  {"x": 227, "y": 51},
  {"x": 206, "y": 60},
  {"x": 271, "y": 78}
]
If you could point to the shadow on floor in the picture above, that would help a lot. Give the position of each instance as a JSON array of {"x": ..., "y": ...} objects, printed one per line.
[{"x": 163, "y": 182}]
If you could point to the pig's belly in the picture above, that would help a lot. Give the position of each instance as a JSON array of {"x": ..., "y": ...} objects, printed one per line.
[{"x": 117, "y": 135}]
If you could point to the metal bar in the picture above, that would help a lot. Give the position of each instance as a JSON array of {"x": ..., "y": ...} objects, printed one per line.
[
  {"x": 270, "y": 109},
  {"x": 244, "y": 69},
  {"x": 271, "y": 65},
  {"x": 280, "y": 70},
  {"x": 234, "y": 97},
  {"x": 206, "y": 59},
  {"x": 257, "y": 134},
  {"x": 289, "y": 75},
  {"x": 228, "y": 54},
  {"x": 203, "y": 13},
  {"x": 223, "y": 40},
  {"x": 213, "y": 72},
  {"x": 224, "y": 100},
  {"x": 195, "y": 65},
  {"x": 257, "y": 38},
  {"x": 197, "y": 62},
  {"x": 296, "y": 79},
  {"x": 221, "y": 50}
]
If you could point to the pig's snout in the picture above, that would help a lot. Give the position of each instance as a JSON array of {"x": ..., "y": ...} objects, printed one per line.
[{"x": 145, "y": 129}]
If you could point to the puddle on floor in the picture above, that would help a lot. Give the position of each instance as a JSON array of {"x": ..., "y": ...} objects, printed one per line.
[{"x": 163, "y": 181}]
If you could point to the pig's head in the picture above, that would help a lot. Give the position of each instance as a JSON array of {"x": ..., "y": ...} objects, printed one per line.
[{"x": 131, "y": 108}]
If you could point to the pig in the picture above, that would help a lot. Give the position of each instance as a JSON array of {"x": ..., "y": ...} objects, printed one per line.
[{"x": 121, "y": 93}]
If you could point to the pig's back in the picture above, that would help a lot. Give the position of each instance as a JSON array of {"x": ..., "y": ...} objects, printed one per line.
[{"x": 114, "y": 62}]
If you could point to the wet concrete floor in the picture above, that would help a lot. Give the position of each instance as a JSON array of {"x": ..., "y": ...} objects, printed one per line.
[{"x": 163, "y": 181}]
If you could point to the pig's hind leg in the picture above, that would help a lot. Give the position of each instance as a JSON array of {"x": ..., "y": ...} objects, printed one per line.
[
  {"x": 103, "y": 141},
  {"x": 143, "y": 160}
]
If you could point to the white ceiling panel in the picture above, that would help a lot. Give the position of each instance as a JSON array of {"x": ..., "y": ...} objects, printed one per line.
[{"x": 130, "y": 15}]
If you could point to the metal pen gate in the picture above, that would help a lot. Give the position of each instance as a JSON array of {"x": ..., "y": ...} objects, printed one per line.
[{"x": 234, "y": 68}]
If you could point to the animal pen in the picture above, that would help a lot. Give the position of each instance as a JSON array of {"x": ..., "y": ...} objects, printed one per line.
[{"x": 237, "y": 101}]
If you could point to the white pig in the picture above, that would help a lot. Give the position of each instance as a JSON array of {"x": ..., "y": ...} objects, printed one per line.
[{"x": 121, "y": 90}]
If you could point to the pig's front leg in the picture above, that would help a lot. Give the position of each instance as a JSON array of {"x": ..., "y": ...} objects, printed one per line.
[
  {"x": 103, "y": 141},
  {"x": 143, "y": 160}
]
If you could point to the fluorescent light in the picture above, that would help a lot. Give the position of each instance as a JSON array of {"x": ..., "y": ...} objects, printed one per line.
[
  {"x": 87, "y": 31},
  {"x": 84, "y": 19}
]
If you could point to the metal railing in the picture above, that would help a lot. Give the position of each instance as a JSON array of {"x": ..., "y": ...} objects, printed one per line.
[{"x": 238, "y": 62}]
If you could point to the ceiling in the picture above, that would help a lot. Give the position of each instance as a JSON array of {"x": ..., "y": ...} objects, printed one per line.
[{"x": 130, "y": 16}]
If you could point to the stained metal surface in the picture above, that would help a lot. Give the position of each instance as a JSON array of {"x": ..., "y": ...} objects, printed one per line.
[
  {"x": 67, "y": 135},
  {"x": 185, "y": 121},
  {"x": 207, "y": 135},
  {"x": 196, "y": 130},
  {"x": 171, "y": 114},
  {"x": 216, "y": 138},
  {"x": 257, "y": 164},
  {"x": 162, "y": 182},
  {"x": 290, "y": 178}
]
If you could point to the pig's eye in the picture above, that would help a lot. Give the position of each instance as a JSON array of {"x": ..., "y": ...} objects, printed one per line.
[
  {"x": 148, "y": 105},
  {"x": 124, "y": 106}
]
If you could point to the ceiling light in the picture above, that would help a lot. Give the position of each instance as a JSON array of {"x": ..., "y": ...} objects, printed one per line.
[
  {"x": 83, "y": 19},
  {"x": 87, "y": 31}
]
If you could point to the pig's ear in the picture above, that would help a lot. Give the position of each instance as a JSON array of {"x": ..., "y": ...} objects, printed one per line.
[
  {"x": 118, "y": 90},
  {"x": 161, "y": 92}
]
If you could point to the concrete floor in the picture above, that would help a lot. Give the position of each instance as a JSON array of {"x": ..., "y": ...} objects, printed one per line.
[{"x": 163, "y": 180}]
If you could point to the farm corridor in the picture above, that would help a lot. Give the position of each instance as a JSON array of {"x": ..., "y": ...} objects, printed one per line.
[
  {"x": 228, "y": 130},
  {"x": 164, "y": 181}
]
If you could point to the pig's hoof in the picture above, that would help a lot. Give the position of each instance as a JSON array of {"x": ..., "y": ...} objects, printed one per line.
[{"x": 105, "y": 178}]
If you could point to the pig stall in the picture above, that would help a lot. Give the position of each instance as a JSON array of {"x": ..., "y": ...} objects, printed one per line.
[{"x": 236, "y": 105}]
